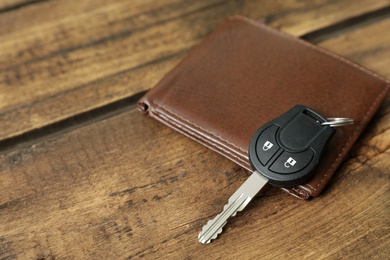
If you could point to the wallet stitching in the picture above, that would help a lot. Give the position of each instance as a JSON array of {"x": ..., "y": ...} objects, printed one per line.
[
  {"x": 379, "y": 97},
  {"x": 299, "y": 191},
  {"x": 194, "y": 135},
  {"x": 199, "y": 127},
  {"x": 315, "y": 47}
]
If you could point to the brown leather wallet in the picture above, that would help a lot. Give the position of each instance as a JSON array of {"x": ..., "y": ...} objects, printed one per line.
[{"x": 246, "y": 74}]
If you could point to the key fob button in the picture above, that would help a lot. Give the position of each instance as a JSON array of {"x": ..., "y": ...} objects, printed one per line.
[
  {"x": 266, "y": 145},
  {"x": 288, "y": 163}
]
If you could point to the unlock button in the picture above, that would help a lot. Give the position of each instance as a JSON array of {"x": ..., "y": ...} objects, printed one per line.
[
  {"x": 292, "y": 162},
  {"x": 266, "y": 145}
]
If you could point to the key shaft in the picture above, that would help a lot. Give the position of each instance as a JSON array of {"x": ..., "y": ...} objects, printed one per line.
[{"x": 236, "y": 202}]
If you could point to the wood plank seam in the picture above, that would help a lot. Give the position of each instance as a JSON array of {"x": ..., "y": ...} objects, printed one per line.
[
  {"x": 347, "y": 25},
  {"x": 70, "y": 124},
  {"x": 18, "y": 6},
  {"x": 110, "y": 38},
  {"x": 116, "y": 74}
]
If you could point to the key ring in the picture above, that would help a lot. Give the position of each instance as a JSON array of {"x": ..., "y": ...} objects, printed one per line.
[{"x": 338, "y": 121}]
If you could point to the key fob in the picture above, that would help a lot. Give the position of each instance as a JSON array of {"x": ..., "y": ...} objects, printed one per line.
[{"x": 287, "y": 149}]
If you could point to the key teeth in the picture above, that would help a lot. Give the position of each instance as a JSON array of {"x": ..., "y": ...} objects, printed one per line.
[
  {"x": 207, "y": 227},
  {"x": 211, "y": 222},
  {"x": 204, "y": 229},
  {"x": 237, "y": 202},
  {"x": 235, "y": 213}
]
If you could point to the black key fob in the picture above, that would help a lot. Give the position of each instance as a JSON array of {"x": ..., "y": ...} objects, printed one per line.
[{"x": 287, "y": 149}]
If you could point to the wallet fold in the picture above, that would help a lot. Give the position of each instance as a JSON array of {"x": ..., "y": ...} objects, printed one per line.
[{"x": 246, "y": 74}]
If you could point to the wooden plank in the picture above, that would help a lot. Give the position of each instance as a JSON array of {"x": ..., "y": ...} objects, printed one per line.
[
  {"x": 130, "y": 187},
  {"x": 66, "y": 57}
]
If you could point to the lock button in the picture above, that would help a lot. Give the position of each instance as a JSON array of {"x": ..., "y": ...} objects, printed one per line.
[
  {"x": 266, "y": 145},
  {"x": 288, "y": 163}
]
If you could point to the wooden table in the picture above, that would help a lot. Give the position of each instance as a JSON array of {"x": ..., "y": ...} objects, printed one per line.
[{"x": 83, "y": 175}]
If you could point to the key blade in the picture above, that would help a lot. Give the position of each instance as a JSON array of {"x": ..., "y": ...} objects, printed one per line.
[
  {"x": 214, "y": 226},
  {"x": 236, "y": 202}
]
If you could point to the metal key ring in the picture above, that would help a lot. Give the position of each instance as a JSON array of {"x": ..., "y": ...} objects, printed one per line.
[{"x": 338, "y": 121}]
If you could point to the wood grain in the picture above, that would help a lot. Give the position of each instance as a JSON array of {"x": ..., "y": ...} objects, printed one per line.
[
  {"x": 368, "y": 46},
  {"x": 129, "y": 187},
  {"x": 10, "y": 5},
  {"x": 62, "y": 58}
]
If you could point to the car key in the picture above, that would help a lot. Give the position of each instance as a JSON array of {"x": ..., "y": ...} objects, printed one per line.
[{"x": 283, "y": 153}]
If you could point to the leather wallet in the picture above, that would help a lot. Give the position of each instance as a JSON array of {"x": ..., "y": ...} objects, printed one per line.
[{"x": 246, "y": 74}]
